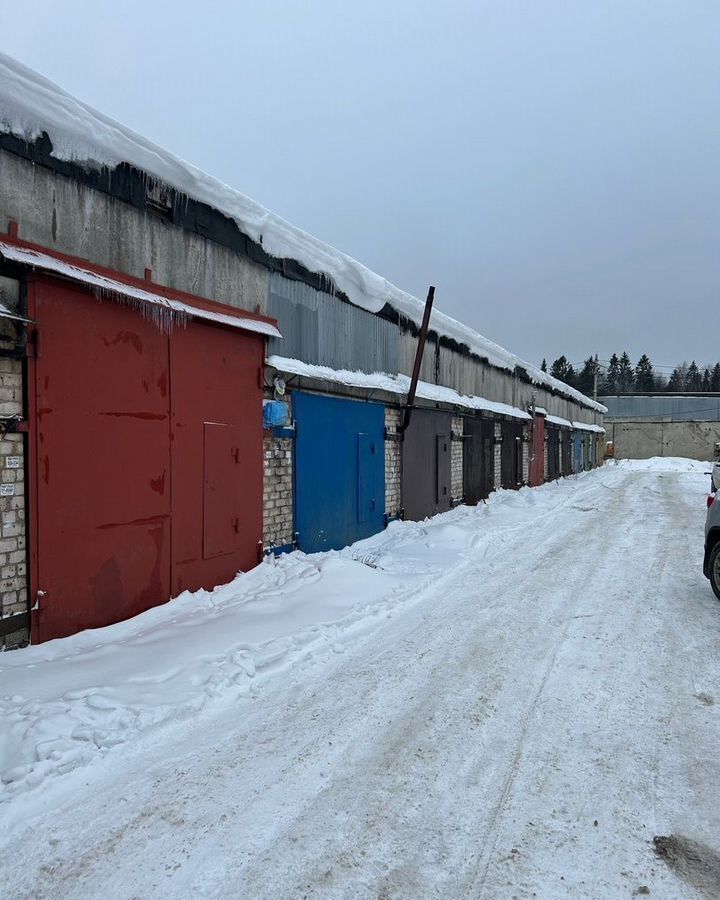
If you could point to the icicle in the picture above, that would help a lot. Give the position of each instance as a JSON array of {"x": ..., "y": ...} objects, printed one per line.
[{"x": 160, "y": 313}]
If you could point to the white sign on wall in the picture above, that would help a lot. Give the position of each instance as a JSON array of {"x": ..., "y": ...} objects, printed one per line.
[
  {"x": 12, "y": 462},
  {"x": 7, "y": 490}
]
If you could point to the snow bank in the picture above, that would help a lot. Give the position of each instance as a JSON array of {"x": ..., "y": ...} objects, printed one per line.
[
  {"x": 68, "y": 702},
  {"x": 394, "y": 384},
  {"x": 31, "y": 105},
  {"x": 667, "y": 464}
]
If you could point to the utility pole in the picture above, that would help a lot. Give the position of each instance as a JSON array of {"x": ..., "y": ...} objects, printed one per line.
[{"x": 595, "y": 379}]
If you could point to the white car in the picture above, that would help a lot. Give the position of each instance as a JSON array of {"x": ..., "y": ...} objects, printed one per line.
[
  {"x": 711, "y": 563},
  {"x": 715, "y": 477}
]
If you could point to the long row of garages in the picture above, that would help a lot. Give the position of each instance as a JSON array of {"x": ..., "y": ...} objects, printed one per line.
[
  {"x": 340, "y": 463},
  {"x": 138, "y": 325},
  {"x": 145, "y": 443}
]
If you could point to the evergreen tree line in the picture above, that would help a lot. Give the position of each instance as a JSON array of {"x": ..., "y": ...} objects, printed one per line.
[{"x": 619, "y": 376}]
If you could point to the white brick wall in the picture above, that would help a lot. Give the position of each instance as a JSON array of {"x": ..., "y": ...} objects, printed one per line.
[
  {"x": 13, "y": 573},
  {"x": 498, "y": 456},
  {"x": 393, "y": 463},
  {"x": 456, "y": 460},
  {"x": 526, "y": 455},
  {"x": 277, "y": 492}
]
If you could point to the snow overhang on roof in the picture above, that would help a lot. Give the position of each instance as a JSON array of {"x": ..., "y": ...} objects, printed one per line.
[
  {"x": 31, "y": 105},
  {"x": 393, "y": 384},
  {"x": 586, "y": 426},
  {"x": 558, "y": 420},
  {"x": 112, "y": 287}
]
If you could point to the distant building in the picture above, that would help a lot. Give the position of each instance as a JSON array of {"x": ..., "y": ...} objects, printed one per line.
[{"x": 647, "y": 425}]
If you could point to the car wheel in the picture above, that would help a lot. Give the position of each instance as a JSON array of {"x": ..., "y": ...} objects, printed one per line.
[{"x": 714, "y": 569}]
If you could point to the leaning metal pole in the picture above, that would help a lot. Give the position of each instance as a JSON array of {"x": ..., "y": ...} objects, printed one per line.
[{"x": 409, "y": 405}]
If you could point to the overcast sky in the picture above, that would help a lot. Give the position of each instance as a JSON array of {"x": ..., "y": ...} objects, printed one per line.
[{"x": 553, "y": 166}]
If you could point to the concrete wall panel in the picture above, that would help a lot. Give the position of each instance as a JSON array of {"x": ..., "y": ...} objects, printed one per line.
[
  {"x": 68, "y": 217},
  {"x": 643, "y": 440}
]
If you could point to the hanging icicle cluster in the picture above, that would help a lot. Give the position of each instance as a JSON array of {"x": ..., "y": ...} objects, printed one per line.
[{"x": 161, "y": 314}]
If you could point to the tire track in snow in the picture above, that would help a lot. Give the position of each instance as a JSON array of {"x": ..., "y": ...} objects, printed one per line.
[
  {"x": 617, "y": 799},
  {"x": 301, "y": 768},
  {"x": 381, "y": 775},
  {"x": 564, "y": 557},
  {"x": 404, "y": 734}
]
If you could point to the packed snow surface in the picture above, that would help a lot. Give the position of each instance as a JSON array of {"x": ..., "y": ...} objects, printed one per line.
[
  {"x": 31, "y": 105},
  {"x": 506, "y": 701}
]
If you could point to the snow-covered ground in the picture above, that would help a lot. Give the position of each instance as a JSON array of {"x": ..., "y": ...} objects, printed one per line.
[{"x": 507, "y": 701}]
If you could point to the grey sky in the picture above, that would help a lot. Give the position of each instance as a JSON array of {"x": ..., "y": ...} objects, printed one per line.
[{"x": 553, "y": 166}]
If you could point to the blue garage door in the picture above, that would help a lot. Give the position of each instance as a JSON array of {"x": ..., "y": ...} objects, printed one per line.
[{"x": 339, "y": 471}]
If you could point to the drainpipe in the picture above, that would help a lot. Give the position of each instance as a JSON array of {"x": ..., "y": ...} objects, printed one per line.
[{"x": 410, "y": 403}]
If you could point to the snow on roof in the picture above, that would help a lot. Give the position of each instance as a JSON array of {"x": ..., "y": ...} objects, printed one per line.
[
  {"x": 31, "y": 105},
  {"x": 578, "y": 426},
  {"x": 558, "y": 420},
  {"x": 394, "y": 384},
  {"x": 111, "y": 286}
]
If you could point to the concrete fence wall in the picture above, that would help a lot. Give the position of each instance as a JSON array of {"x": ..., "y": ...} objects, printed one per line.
[{"x": 643, "y": 440}]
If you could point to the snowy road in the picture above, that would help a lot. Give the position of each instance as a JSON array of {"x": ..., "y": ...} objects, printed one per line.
[{"x": 522, "y": 729}]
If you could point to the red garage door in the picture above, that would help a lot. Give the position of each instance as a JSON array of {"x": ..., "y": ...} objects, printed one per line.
[
  {"x": 217, "y": 472},
  {"x": 135, "y": 432}
]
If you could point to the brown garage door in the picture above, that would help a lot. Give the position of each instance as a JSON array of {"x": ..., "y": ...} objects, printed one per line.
[
  {"x": 426, "y": 464},
  {"x": 478, "y": 458}
]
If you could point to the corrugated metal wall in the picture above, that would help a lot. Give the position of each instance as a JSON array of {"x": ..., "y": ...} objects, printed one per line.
[
  {"x": 324, "y": 330},
  {"x": 342, "y": 337},
  {"x": 677, "y": 409},
  {"x": 407, "y": 345}
]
